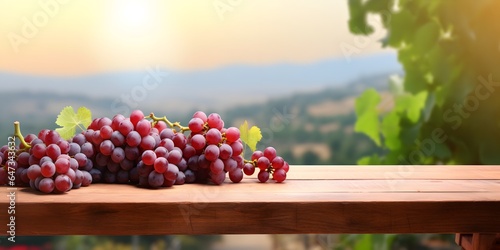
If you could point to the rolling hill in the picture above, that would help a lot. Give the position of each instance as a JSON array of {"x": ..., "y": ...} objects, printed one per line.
[
  {"x": 311, "y": 128},
  {"x": 217, "y": 89}
]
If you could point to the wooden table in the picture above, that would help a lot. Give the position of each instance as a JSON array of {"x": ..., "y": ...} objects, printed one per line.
[{"x": 314, "y": 199}]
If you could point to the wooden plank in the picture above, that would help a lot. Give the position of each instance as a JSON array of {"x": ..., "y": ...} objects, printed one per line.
[
  {"x": 291, "y": 191},
  {"x": 478, "y": 241},
  {"x": 255, "y": 218},
  {"x": 483, "y": 241},
  {"x": 459, "y": 172},
  {"x": 306, "y": 204}
]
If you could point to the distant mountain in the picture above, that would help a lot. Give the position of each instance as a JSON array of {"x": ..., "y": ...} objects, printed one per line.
[{"x": 215, "y": 89}]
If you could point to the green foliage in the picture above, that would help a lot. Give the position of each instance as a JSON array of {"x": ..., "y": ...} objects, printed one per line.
[
  {"x": 250, "y": 136},
  {"x": 192, "y": 242},
  {"x": 445, "y": 108},
  {"x": 366, "y": 109},
  {"x": 366, "y": 241},
  {"x": 69, "y": 120},
  {"x": 311, "y": 158}
]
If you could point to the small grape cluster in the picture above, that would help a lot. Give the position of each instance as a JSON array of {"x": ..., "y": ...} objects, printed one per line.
[
  {"x": 50, "y": 165},
  {"x": 269, "y": 164},
  {"x": 148, "y": 151},
  {"x": 217, "y": 150}
]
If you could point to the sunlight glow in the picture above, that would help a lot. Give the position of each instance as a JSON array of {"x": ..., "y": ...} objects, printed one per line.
[
  {"x": 81, "y": 37},
  {"x": 133, "y": 13}
]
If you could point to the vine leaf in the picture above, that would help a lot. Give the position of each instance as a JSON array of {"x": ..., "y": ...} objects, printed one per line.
[
  {"x": 426, "y": 36},
  {"x": 69, "y": 120},
  {"x": 412, "y": 105},
  {"x": 370, "y": 160},
  {"x": 250, "y": 136},
  {"x": 391, "y": 129},
  {"x": 366, "y": 110}
]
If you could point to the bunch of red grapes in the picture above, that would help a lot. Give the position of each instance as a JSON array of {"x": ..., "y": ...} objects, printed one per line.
[{"x": 138, "y": 150}]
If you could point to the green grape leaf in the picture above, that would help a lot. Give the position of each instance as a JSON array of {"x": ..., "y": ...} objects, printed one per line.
[
  {"x": 426, "y": 36},
  {"x": 409, "y": 133},
  {"x": 365, "y": 160},
  {"x": 364, "y": 242},
  {"x": 399, "y": 23},
  {"x": 390, "y": 130},
  {"x": 418, "y": 104},
  {"x": 370, "y": 160},
  {"x": 396, "y": 157},
  {"x": 69, "y": 120},
  {"x": 430, "y": 103},
  {"x": 357, "y": 21},
  {"x": 412, "y": 105},
  {"x": 376, "y": 5},
  {"x": 438, "y": 78},
  {"x": 366, "y": 110},
  {"x": 250, "y": 136},
  {"x": 414, "y": 80}
]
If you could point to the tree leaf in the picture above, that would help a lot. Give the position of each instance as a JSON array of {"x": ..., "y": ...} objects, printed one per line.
[
  {"x": 250, "y": 136},
  {"x": 366, "y": 110},
  {"x": 69, "y": 120}
]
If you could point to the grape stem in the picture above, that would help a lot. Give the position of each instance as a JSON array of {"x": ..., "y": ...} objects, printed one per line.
[
  {"x": 18, "y": 134},
  {"x": 250, "y": 161},
  {"x": 172, "y": 125}
]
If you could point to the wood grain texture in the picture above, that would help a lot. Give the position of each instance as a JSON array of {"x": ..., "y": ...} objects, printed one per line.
[
  {"x": 315, "y": 199},
  {"x": 478, "y": 241}
]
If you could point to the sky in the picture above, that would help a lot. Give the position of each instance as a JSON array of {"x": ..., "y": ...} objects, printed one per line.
[{"x": 81, "y": 37}]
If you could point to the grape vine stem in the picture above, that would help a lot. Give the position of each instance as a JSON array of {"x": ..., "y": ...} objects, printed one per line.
[
  {"x": 18, "y": 134},
  {"x": 172, "y": 125}
]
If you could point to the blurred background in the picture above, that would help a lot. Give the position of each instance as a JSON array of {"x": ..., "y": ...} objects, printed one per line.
[
  {"x": 296, "y": 69},
  {"x": 290, "y": 67}
]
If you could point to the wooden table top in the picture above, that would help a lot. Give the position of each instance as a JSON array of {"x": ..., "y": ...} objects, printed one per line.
[{"x": 314, "y": 199}]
